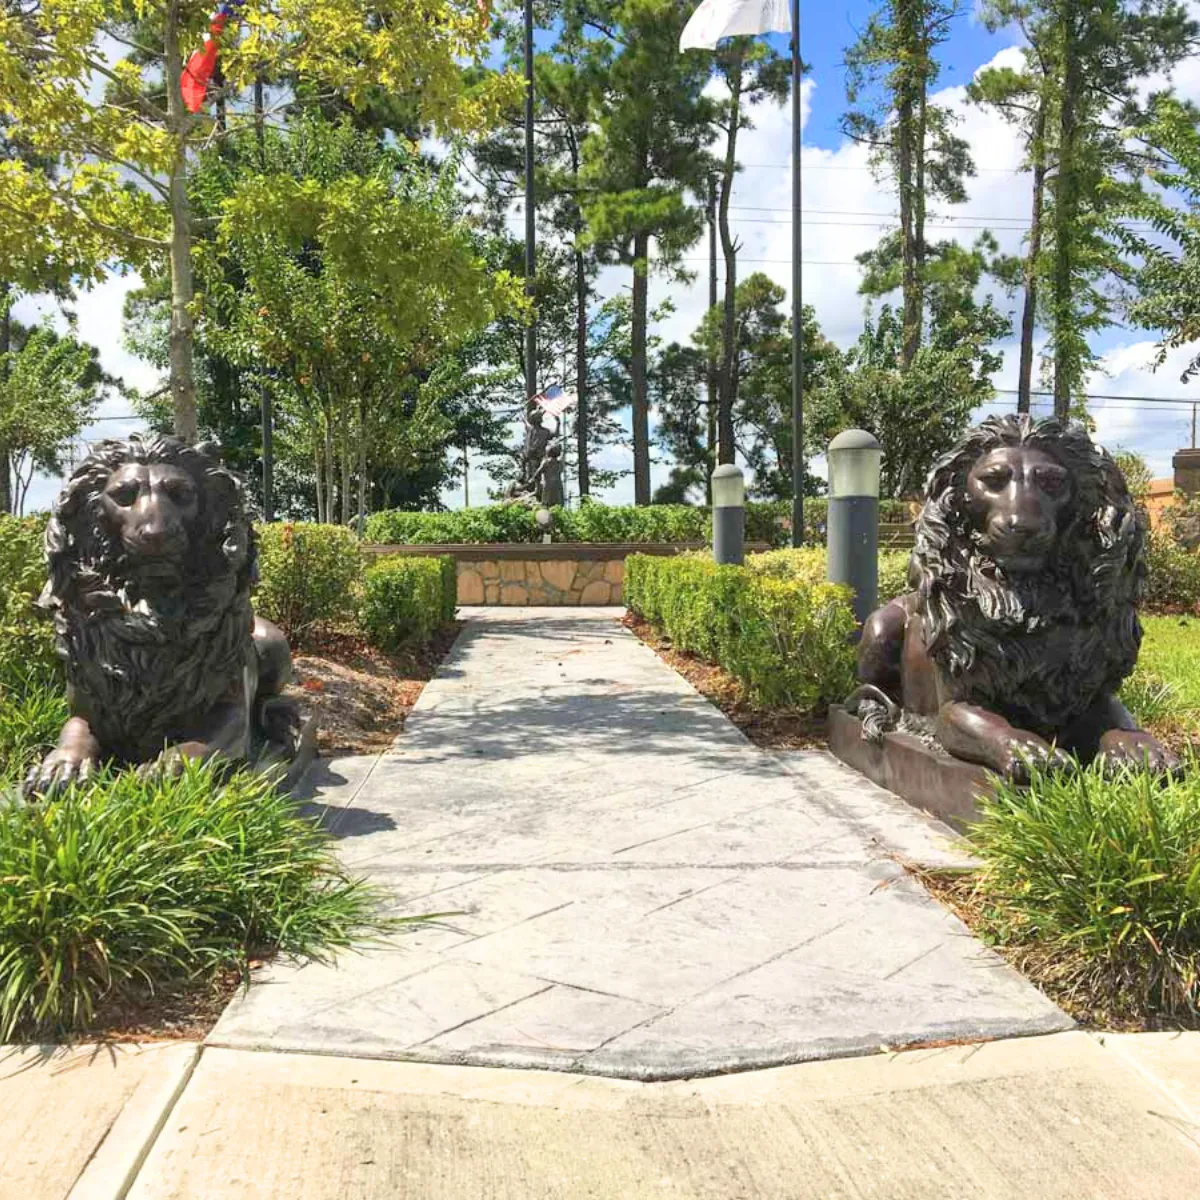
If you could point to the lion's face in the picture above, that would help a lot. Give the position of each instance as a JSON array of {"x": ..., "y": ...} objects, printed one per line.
[
  {"x": 1028, "y": 564},
  {"x": 1017, "y": 496},
  {"x": 152, "y": 509}
]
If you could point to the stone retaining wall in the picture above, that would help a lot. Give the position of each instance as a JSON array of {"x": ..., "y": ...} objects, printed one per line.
[
  {"x": 541, "y": 573},
  {"x": 526, "y": 581}
]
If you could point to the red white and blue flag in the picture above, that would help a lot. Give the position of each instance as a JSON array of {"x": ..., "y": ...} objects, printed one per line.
[
  {"x": 198, "y": 72},
  {"x": 556, "y": 400}
]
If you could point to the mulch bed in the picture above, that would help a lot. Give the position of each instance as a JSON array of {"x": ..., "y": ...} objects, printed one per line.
[
  {"x": 361, "y": 696},
  {"x": 186, "y": 1014},
  {"x": 770, "y": 728}
]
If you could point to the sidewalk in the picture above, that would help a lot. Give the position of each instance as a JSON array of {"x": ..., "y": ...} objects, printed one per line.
[
  {"x": 638, "y": 894},
  {"x": 638, "y": 891},
  {"x": 1068, "y": 1116}
]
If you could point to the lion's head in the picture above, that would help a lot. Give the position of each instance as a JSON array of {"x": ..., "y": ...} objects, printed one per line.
[
  {"x": 151, "y": 560},
  {"x": 1029, "y": 563}
]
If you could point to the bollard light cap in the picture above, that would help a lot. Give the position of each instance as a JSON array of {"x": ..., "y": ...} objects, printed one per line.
[
  {"x": 855, "y": 457},
  {"x": 728, "y": 487}
]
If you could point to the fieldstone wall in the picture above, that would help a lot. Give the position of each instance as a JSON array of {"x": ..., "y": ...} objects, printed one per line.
[{"x": 545, "y": 581}]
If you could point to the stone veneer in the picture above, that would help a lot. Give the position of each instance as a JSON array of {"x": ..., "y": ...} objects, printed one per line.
[
  {"x": 541, "y": 572},
  {"x": 549, "y": 581}
]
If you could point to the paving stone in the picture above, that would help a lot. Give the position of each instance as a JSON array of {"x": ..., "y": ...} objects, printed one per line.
[{"x": 635, "y": 888}]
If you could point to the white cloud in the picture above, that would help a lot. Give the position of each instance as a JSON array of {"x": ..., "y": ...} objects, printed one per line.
[{"x": 98, "y": 321}]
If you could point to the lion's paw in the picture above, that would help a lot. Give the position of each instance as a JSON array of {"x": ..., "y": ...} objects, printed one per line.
[
  {"x": 1027, "y": 753},
  {"x": 60, "y": 769},
  {"x": 1135, "y": 748}
]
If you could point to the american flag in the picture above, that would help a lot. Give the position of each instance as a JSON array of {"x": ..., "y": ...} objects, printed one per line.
[{"x": 556, "y": 401}]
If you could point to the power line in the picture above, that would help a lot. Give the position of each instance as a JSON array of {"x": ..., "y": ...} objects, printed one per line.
[{"x": 1110, "y": 396}]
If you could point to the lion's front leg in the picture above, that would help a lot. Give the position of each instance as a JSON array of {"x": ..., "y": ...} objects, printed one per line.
[
  {"x": 982, "y": 736},
  {"x": 1108, "y": 729},
  {"x": 223, "y": 733}
]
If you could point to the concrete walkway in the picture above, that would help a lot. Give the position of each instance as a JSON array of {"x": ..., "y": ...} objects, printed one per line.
[
  {"x": 637, "y": 890},
  {"x": 1066, "y": 1116}
]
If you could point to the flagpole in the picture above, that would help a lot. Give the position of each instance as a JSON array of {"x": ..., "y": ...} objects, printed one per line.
[
  {"x": 797, "y": 298},
  {"x": 530, "y": 226}
]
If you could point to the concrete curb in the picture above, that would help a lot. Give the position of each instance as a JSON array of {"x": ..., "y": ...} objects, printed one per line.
[{"x": 114, "y": 1166}]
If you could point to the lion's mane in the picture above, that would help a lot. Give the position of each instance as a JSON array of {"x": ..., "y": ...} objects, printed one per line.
[
  {"x": 144, "y": 658},
  {"x": 1039, "y": 649}
]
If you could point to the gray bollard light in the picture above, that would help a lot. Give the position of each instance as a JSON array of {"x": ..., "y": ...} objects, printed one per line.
[
  {"x": 729, "y": 514},
  {"x": 853, "y": 527}
]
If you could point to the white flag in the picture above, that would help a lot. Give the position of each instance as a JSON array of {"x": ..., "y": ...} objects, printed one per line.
[{"x": 716, "y": 19}]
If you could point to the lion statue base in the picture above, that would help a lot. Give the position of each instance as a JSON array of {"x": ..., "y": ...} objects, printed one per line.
[
  {"x": 1028, "y": 567},
  {"x": 152, "y": 559}
]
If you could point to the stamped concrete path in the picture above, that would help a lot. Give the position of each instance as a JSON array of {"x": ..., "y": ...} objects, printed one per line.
[{"x": 636, "y": 890}]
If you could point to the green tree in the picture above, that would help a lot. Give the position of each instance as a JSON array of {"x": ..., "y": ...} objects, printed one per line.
[
  {"x": 351, "y": 337},
  {"x": 920, "y": 410},
  {"x": 50, "y": 385},
  {"x": 1167, "y": 295},
  {"x": 752, "y": 72},
  {"x": 760, "y": 391},
  {"x": 1080, "y": 104},
  {"x": 642, "y": 160},
  {"x": 120, "y": 192},
  {"x": 890, "y": 72}
]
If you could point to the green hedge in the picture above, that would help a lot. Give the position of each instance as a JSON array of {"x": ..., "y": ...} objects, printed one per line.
[
  {"x": 26, "y": 635},
  {"x": 309, "y": 575},
  {"x": 766, "y": 521},
  {"x": 808, "y": 566},
  {"x": 407, "y": 600},
  {"x": 1173, "y": 576},
  {"x": 786, "y": 639}
]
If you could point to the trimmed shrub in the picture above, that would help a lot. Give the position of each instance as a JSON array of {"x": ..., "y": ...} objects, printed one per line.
[
  {"x": 407, "y": 599},
  {"x": 766, "y": 521},
  {"x": 1096, "y": 880},
  {"x": 490, "y": 523},
  {"x": 1173, "y": 575},
  {"x": 786, "y": 638},
  {"x": 310, "y": 576},
  {"x": 26, "y": 634},
  {"x": 129, "y": 885},
  {"x": 808, "y": 566}
]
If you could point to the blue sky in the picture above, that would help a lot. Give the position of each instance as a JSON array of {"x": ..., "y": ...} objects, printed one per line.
[{"x": 846, "y": 210}]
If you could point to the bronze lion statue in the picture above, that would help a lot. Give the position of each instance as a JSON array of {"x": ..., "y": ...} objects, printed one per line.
[
  {"x": 151, "y": 562},
  {"x": 1028, "y": 568}
]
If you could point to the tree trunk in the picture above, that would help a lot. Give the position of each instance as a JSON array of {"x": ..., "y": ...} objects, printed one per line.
[
  {"x": 260, "y": 131},
  {"x": 319, "y": 475},
  {"x": 907, "y": 102},
  {"x": 180, "y": 339},
  {"x": 581, "y": 372},
  {"x": 725, "y": 448},
  {"x": 347, "y": 473},
  {"x": 641, "y": 411},
  {"x": 362, "y": 464},
  {"x": 1066, "y": 213},
  {"x": 330, "y": 474},
  {"x": 1029, "y": 307},
  {"x": 6, "y": 484}
]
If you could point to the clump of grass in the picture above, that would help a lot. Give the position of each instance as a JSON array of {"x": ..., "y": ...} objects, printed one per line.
[
  {"x": 1152, "y": 699},
  {"x": 33, "y": 707},
  {"x": 128, "y": 886},
  {"x": 1094, "y": 881}
]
